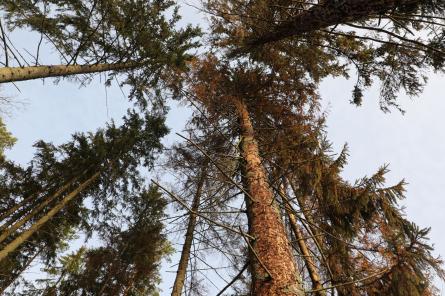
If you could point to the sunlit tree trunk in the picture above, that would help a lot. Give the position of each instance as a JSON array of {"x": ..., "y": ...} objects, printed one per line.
[
  {"x": 317, "y": 235},
  {"x": 51, "y": 213},
  {"x": 7, "y": 232},
  {"x": 14, "y": 208},
  {"x": 304, "y": 249},
  {"x": 273, "y": 267},
  {"x": 185, "y": 254},
  {"x": 12, "y": 74}
]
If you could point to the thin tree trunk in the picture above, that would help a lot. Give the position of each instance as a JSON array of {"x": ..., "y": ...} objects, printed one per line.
[
  {"x": 328, "y": 14},
  {"x": 33, "y": 212},
  {"x": 273, "y": 267},
  {"x": 12, "y": 74},
  {"x": 185, "y": 254},
  {"x": 307, "y": 257},
  {"x": 14, "y": 277},
  {"x": 317, "y": 235},
  {"x": 10, "y": 211},
  {"x": 37, "y": 225}
]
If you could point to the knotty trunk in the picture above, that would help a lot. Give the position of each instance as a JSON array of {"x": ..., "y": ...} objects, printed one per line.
[{"x": 271, "y": 247}]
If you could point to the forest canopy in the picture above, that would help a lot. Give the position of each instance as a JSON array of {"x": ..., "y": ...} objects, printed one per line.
[{"x": 253, "y": 180}]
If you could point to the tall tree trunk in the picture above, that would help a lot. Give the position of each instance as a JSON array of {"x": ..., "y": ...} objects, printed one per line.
[
  {"x": 33, "y": 212},
  {"x": 328, "y": 14},
  {"x": 185, "y": 254},
  {"x": 304, "y": 249},
  {"x": 51, "y": 213},
  {"x": 14, "y": 208},
  {"x": 11, "y": 74},
  {"x": 273, "y": 268}
]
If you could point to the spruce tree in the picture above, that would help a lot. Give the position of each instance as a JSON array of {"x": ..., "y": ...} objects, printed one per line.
[
  {"x": 136, "y": 38},
  {"x": 295, "y": 225},
  {"x": 102, "y": 166}
]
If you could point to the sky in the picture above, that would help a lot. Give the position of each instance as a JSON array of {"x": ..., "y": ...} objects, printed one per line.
[{"x": 412, "y": 144}]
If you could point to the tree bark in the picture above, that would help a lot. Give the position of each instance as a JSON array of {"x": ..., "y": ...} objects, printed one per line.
[
  {"x": 185, "y": 254},
  {"x": 271, "y": 246},
  {"x": 33, "y": 212},
  {"x": 51, "y": 213},
  {"x": 307, "y": 257},
  {"x": 12, "y": 74},
  {"x": 328, "y": 14},
  {"x": 14, "y": 208},
  {"x": 317, "y": 235}
]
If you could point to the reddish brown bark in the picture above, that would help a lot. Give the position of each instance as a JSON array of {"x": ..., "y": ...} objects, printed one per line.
[{"x": 271, "y": 246}]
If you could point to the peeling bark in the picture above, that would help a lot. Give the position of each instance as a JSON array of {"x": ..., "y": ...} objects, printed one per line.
[{"x": 271, "y": 245}]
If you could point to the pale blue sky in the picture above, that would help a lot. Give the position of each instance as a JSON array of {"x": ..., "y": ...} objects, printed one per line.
[{"x": 413, "y": 144}]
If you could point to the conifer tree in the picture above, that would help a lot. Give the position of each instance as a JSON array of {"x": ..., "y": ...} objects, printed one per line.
[
  {"x": 287, "y": 124},
  {"x": 395, "y": 42},
  {"x": 205, "y": 169},
  {"x": 128, "y": 262},
  {"x": 6, "y": 139},
  {"x": 102, "y": 166},
  {"x": 294, "y": 225},
  {"x": 133, "y": 37}
]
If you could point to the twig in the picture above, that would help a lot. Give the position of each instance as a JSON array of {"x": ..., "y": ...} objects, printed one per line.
[
  {"x": 5, "y": 45},
  {"x": 217, "y": 166},
  {"x": 197, "y": 213},
  {"x": 234, "y": 279},
  {"x": 255, "y": 253},
  {"x": 350, "y": 282}
]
